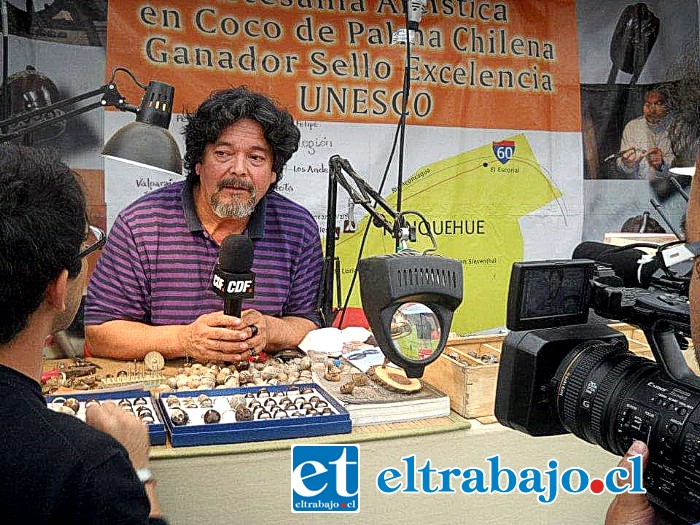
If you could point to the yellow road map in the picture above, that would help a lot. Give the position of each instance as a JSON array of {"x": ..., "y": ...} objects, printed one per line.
[{"x": 473, "y": 202}]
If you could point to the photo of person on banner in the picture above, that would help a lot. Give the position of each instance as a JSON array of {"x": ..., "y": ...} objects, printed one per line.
[
  {"x": 645, "y": 148},
  {"x": 638, "y": 124},
  {"x": 647, "y": 152}
]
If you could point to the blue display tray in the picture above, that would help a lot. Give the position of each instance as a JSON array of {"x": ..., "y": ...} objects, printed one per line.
[
  {"x": 195, "y": 433},
  {"x": 156, "y": 430}
]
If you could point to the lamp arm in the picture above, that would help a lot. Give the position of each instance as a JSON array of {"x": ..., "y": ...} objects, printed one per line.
[
  {"x": 110, "y": 98},
  {"x": 366, "y": 189},
  {"x": 336, "y": 166},
  {"x": 58, "y": 118},
  {"x": 56, "y": 105}
]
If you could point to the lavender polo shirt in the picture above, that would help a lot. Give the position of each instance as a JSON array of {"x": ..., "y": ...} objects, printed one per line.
[{"x": 156, "y": 267}]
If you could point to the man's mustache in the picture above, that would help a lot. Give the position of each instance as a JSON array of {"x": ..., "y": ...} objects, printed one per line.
[{"x": 235, "y": 184}]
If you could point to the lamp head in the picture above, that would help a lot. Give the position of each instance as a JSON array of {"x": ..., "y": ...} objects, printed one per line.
[
  {"x": 409, "y": 299},
  {"x": 147, "y": 141},
  {"x": 157, "y": 104}
]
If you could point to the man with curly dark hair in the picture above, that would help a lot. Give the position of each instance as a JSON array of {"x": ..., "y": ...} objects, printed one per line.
[
  {"x": 151, "y": 289},
  {"x": 53, "y": 467}
]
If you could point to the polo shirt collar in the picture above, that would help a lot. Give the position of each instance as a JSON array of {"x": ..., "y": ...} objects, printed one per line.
[{"x": 256, "y": 224}]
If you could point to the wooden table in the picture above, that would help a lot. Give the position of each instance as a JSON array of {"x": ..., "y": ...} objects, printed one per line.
[{"x": 250, "y": 482}]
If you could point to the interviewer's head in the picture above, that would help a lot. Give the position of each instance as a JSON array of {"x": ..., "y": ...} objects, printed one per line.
[{"x": 42, "y": 227}]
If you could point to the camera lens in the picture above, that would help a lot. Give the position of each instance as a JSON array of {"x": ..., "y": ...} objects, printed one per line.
[{"x": 591, "y": 383}]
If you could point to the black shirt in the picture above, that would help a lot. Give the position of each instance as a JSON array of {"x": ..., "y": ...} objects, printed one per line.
[{"x": 56, "y": 469}]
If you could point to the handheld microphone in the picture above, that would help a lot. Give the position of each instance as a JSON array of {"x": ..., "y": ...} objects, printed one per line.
[
  {"x": 232, "y": 279},
  {"x": 633, "y": 266}
]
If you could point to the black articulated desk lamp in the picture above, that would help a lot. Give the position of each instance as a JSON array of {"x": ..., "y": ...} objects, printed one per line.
[
  {"x": 145, "y": 142},
  {"x": 408, "y": 297}
]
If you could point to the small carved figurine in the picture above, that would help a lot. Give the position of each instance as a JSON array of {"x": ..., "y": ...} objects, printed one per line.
[
  {"x": 360, "y": 379},
  {"x": 347, "y": 388},
  {"x": 332, "y": 373}
]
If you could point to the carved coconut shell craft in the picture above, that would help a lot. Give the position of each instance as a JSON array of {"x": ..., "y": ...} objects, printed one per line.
[{"x": 394, "y": 379}]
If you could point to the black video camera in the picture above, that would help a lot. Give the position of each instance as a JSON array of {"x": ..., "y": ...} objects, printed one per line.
[{"x": 560, "y": 373}]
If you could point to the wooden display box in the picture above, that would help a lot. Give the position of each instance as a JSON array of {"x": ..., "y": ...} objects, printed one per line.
[{"x": 467, "y": 370}]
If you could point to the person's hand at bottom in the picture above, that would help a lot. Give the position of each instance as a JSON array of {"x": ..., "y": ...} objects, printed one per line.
[
  {"x": 125, "y": 428},
  {"x": 631, "y": 509}
]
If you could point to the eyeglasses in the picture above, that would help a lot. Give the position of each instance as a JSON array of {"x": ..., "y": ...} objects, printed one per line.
[{"x": 96, "y": 239}]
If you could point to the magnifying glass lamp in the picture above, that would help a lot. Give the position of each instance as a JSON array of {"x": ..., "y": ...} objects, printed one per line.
[{"x": 408, "y": 297}]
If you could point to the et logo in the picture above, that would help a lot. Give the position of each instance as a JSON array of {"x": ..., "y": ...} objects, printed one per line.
[{"x": 325, "y": 478}]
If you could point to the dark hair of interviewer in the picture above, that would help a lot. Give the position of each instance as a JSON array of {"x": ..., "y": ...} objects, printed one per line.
[
  {"x": 42, "y": 226},
  {"x": 226, "y": 107}
]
